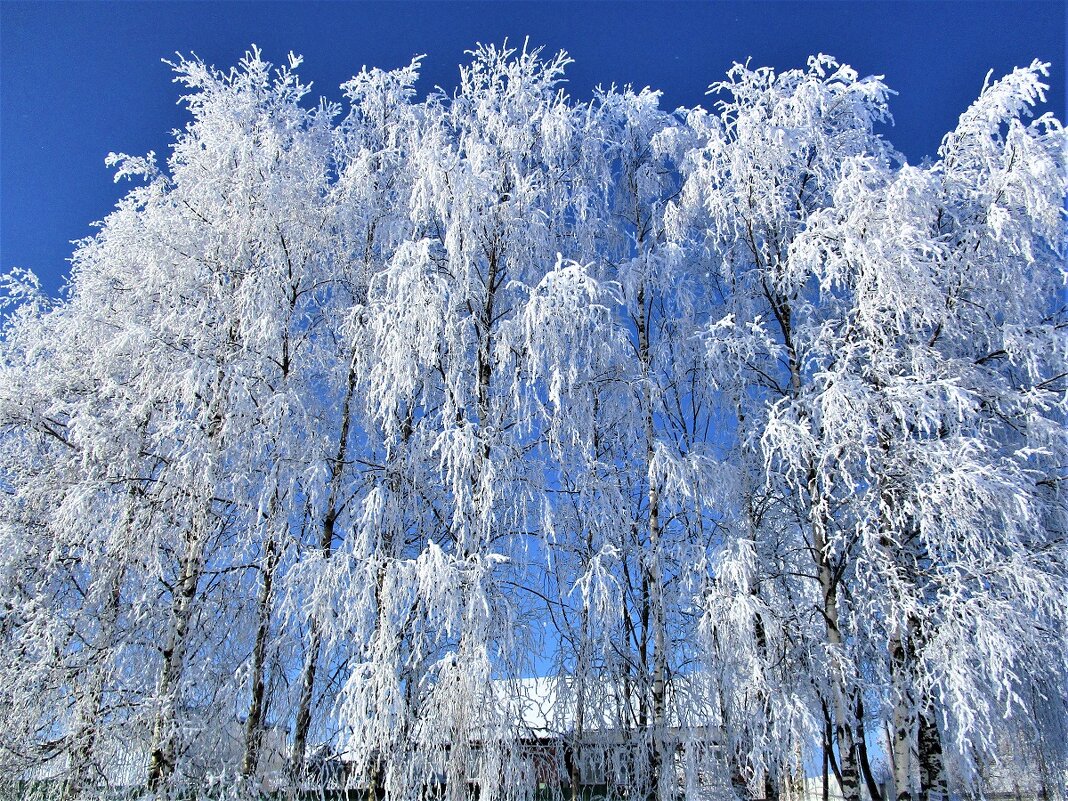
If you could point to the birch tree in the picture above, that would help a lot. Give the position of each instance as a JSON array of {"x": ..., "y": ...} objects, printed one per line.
[
  {"x": 960, "y": 421},
  {"x": 771, "y": 159}
]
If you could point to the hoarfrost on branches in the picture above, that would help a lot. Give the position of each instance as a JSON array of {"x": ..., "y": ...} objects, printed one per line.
[{"x": 499, "y": 443}]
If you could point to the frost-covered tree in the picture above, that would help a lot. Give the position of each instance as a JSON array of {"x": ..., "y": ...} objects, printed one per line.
[
  {"x": 953, "y": 416},
  {"x": 838, "y": 332},
  {"x": 192, "y": 296},
  {"x": 738, "y": 433},
  {"x": 771, "y": 160}
]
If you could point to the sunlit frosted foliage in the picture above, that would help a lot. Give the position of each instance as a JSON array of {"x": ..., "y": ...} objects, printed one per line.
[{"x": 501, "y": 445}]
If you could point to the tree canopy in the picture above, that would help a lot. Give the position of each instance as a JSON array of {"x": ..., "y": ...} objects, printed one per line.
[{"x": 740, "y": 433}]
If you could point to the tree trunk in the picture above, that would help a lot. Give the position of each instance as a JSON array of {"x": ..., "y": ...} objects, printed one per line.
[
  {"x": 825, "y": 787},
  {"x": 904, "y": 722},
  {"x": 771, "y": 786},
  {"x": 162, "y": 749},
  {"x": 653, "y": 573},
  {"x": 87, "y": 712},
  {"x": 582, "y": 668},
  {"x": 862, "y": 753},
  {"x": 847, "y": 750},
  {"x": 828, "y": 747},
  {"x": 161, "y": 752},
  {"x": 254, "y": 723},
  {"x": 302, "y": 723},
  {"x": 88, "y": 708},
  {"x": 760, "y": 635},
  {"x": 738, "y": 783},
  {"x": 495, "y": 276},
  {"x": 933, "y": 783},
  {"x": 843, "y": 697},
  {"x": 377, "y": 767},
  {"x": 574, "y": 770}
]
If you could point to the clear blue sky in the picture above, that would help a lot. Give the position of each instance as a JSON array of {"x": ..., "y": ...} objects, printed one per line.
[{"x": 80, "y": 79}]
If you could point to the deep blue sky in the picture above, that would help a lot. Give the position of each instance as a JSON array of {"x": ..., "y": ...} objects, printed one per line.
[{"x": 80, "y": 79}]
